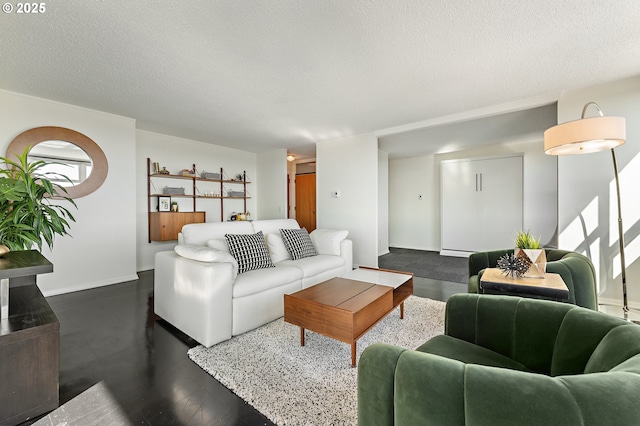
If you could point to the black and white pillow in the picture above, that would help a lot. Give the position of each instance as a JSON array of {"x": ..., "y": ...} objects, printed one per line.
[
  {"x": 298, "y": 243},
  {"x": 250, "y": 250}
]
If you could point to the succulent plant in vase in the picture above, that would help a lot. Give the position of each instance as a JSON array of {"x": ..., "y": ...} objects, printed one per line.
[
  {"x": 528, "y": 248},
  {"x": 31, "y": 206}
]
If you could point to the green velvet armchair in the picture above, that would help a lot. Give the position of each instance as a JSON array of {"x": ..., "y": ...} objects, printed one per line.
[
  {"x": 507, "y": 361},
  {"x": 576, "y": 270}
]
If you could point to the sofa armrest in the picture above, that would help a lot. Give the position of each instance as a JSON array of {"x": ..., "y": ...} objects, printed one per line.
[
  {"x": 195, "y": 297},
  {"x": 486, "y": 259},
  {"x": 346, "y": 252},
  {"x": 376, "y": 375},
  {"x": 579, "y": 275},
  {"x": 480, "y": 261}
]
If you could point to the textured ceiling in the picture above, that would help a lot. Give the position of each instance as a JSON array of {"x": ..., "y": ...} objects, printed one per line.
[{"x": 261, "y": 75}]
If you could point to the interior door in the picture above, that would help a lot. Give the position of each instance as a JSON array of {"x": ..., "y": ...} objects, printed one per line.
[
  {"x": 502, "y": 203},
  {"x": 459, "y": 200},
  {"x": 306, "y": 201}
]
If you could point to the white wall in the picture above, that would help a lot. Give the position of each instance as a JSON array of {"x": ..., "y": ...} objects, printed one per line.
[
  {"x": 383, "y": 203},
  {"x": 176, "y": 154},
  {"x": 586, "y": 191},
  {"x": 102, "y": 246},
  {"x": 271, "y": 184},
  {"x": 415, "y": 223},
  {"x": 350, "y": 165}
]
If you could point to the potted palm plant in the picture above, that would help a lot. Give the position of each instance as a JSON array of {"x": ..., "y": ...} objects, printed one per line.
[
  {"x": 528, "y": 248},
  {"x": 31, "y": 206}
]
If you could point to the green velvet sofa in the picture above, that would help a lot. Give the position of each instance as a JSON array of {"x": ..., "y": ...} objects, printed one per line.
[
  {"x": 507, "y": 361},
  {"x": 576, "y": 270}
]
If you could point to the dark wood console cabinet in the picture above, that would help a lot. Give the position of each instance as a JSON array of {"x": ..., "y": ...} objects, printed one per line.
[
  {"x": 29, "y": 342},
  {"x": 165, "y": 226}
]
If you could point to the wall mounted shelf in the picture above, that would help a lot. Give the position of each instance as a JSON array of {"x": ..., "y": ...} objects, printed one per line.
[{"x": 163, "y": 226}]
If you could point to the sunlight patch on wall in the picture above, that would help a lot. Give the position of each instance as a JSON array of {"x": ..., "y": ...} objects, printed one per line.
[
  {"x": 594, "y": 254},
  {"x": 631, "y": 254},
  {"x": 578, "y": 231},
  {"x": 629, "y": 178}
]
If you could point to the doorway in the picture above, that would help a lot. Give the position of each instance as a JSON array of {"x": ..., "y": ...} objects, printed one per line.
[{"x": 305, "y": 191}]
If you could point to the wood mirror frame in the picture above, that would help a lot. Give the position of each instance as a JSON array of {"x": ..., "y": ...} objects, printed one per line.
[{"x": 32, "y": 137}]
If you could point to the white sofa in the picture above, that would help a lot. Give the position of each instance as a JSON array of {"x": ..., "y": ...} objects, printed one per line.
[{"x": 200, "y": 292}]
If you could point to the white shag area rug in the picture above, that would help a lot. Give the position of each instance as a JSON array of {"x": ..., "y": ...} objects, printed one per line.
[{"x": 312, "y": 384}]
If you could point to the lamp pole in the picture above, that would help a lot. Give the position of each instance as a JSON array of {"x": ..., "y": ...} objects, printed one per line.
[{"x": 623, "y": 268}]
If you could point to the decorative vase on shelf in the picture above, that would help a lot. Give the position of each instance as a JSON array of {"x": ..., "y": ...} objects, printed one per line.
[
  {"x": 3, "y": 250},
  {"x": 537, "y": 259},
  {"x": 528, "y": 249}
]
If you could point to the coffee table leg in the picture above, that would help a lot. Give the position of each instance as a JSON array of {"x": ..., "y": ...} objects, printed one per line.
[
  {"x": 401, "y": 310},
  {"x": 353, "y": 354},
  {"x": 301, "y": 336}
]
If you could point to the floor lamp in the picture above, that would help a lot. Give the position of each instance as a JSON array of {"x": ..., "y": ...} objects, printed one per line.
[{"x": 589, "y": 135}]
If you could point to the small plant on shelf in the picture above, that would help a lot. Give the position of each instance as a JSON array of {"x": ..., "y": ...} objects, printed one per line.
[
  {"x": 524, "y": 240},
  {"x": 529, "y": 250}
]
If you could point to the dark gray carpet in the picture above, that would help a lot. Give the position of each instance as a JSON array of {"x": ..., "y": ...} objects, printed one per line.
[{"x": 426, "y": 264}]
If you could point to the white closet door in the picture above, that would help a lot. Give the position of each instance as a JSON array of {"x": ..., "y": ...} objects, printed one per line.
[
  {"x": 481, "y": 204},
  {"x": 501, "y": 208},
  {"x": 458, "y": 196}
]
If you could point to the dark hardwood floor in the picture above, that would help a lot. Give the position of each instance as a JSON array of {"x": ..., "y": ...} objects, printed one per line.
[{"x": 111, "y": 335}]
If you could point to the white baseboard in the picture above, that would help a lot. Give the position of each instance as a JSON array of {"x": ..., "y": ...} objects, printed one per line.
[
  {"x": 616, "y": 302},
  {"x": 409, "y": 247},
  {"x": 88, "y": 286},
  {"x": 455, "y": 253}
]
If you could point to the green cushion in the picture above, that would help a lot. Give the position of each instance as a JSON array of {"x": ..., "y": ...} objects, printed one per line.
[
  {"x": 468, "y": 353},
  {"x": 507, "y": 398},
  {"x": 510, "y": 326}
]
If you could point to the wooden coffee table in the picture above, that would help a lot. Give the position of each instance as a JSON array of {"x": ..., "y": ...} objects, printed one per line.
[{"x": 346, "y": 308}]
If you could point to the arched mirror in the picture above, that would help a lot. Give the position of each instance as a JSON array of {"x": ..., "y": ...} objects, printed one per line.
[{"x": 77, "y": 156}]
